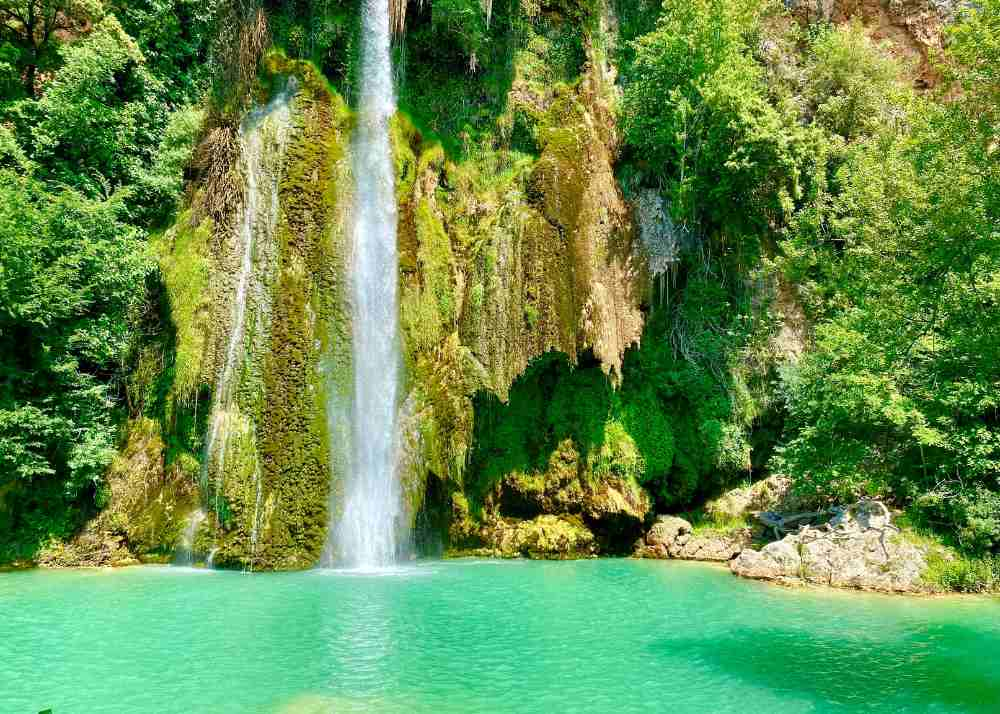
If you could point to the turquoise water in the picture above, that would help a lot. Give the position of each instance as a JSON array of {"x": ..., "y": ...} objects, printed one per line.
[{"x": 483, "y": 636}]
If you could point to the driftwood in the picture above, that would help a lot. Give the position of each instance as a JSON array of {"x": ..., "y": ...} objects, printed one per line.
[
  {"x": 803, "y": 523},
  {"x": 782, "y": 524}
]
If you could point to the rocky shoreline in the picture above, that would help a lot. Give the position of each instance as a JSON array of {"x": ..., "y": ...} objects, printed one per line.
[
  {"x": 856, "y": 547},
  {"x": 762, "y": 532}
]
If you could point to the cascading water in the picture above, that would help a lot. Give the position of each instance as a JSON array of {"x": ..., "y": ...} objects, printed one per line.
[
  {"x": 263, "y": 138},
  {"x": 367, "y": 530},
  {"x": 185, "y": 551}
]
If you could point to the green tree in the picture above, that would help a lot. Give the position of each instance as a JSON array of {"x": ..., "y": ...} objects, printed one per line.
[
  {"x": 697, "y": 115},
  {"x": 72, "y": 278},
  {"x": 32, "y": 26},
  {"x": 900, "y": 261},
  {"x": 101, "y": 114}
]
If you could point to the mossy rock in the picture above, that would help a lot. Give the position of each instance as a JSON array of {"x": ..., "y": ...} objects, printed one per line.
[{"x": 543, "y": 538}]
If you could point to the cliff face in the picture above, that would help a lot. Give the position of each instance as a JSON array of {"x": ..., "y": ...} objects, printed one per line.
[
  {"x": 496, "y": 269},
  {"x": 913, "y": 29},
  {"x": 540, "y": 396},
  {"x": 500, "y": 270},
  {"x": 244, "y": 430}
]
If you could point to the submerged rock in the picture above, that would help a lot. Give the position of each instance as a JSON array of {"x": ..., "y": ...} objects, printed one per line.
[{"x": 859, "y": 548}]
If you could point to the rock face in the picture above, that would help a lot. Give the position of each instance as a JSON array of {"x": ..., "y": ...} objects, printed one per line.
[
  {"x": 913, "y": 28},
  {"x": 772, "y": 494},
  {"x": 545, "y": 537},
  {"x": 147, "y": 509},
  {"x": 561, "y": 489},
  {"x": 556, "y": 513},
  {"x": 673, "y": 537},
  {"x": 857, "y": 549}
]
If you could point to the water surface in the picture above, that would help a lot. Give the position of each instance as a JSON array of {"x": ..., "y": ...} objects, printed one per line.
[{"x": 483, "y": 636}]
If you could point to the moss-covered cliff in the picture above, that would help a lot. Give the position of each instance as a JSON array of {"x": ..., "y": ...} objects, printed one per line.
[
  {"x": 519, "y": 256},
  {"x": 577, "y": 357}
]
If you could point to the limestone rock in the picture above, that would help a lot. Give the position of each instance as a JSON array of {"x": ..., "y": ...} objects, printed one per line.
[
  {"x": 667, "y": 531},
  {"x": 914, "y": 29},
  {"x": 672, "y": 537},
  {"x": 857, "y": 549},
  {"x": 775, "y": 561},
  {"x": 771, "y": 494},
  {"x": 721, "y": 548}
]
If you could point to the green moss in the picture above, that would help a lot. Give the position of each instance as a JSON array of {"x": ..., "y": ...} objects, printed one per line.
[
  {"x": 185, "y": 266},
  {"x": 618, "y": 454},
  {"x": 405, "y": 141},
  {"x": 546, "y": 537},
  {"x": 307, "y": 362}
]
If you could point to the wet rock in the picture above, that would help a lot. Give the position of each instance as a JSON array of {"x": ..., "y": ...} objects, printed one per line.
[{"x": 612, "y": 506}]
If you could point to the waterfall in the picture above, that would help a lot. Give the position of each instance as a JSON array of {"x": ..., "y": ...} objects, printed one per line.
[
  {"x": 185, "y": 550},
  {"x": 367, "y": 530},
  {"x": 263, "y": 137}
]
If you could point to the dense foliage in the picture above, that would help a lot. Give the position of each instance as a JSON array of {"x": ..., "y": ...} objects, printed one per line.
[
  {"x": 797, "y": 162},
  {"x": 96, "y": 126},
  {"x": 885, "y": 206}
]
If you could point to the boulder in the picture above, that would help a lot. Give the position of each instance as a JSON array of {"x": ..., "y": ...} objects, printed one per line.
[
  {"x": 673, "y": 537},
  {"x": 859, "y": 548},
  {"x": 771, "y": 494},
  {"x": 775, "y": 561},
  {"x": 667, "y": 531}
]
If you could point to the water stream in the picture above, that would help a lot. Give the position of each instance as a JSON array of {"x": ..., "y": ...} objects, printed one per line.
[
  {"x": 185, "y": 551},
  {"x": 367, "y": 532},
  {"x": 263, "y": 138}
]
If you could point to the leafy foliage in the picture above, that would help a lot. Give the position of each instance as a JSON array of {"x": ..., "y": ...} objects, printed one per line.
[
  {"x": 886, "y": 205},
  {"x": 898, "y": 258},
  {"x": 696, "y": 109},
  {"x": 95, "y": 130},
  {"x": 71, "y": 282},
  {"x": 674, "y": 424}
]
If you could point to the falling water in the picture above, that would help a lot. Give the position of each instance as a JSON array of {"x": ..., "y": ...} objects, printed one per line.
[
  {"x": 185, "y": 550},
  {"x": 263, "y": 137},
  {"x": 367, "y": 531}
]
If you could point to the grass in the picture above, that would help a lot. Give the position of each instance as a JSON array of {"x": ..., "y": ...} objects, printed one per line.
[
  {"x": 703, "y": 524},
  {"x": 949, "y": 569}
]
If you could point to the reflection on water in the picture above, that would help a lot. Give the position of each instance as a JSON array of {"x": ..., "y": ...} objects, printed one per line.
[
  {"x": 593, "y": 636},
  {"x": 918, "y": 666}
]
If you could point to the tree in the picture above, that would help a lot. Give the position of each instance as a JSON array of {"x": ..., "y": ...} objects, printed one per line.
[
  {"x": 72, "y": 276},
  {"x": 696, "y": 110},
  {"x": 33, "y": 25}
]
